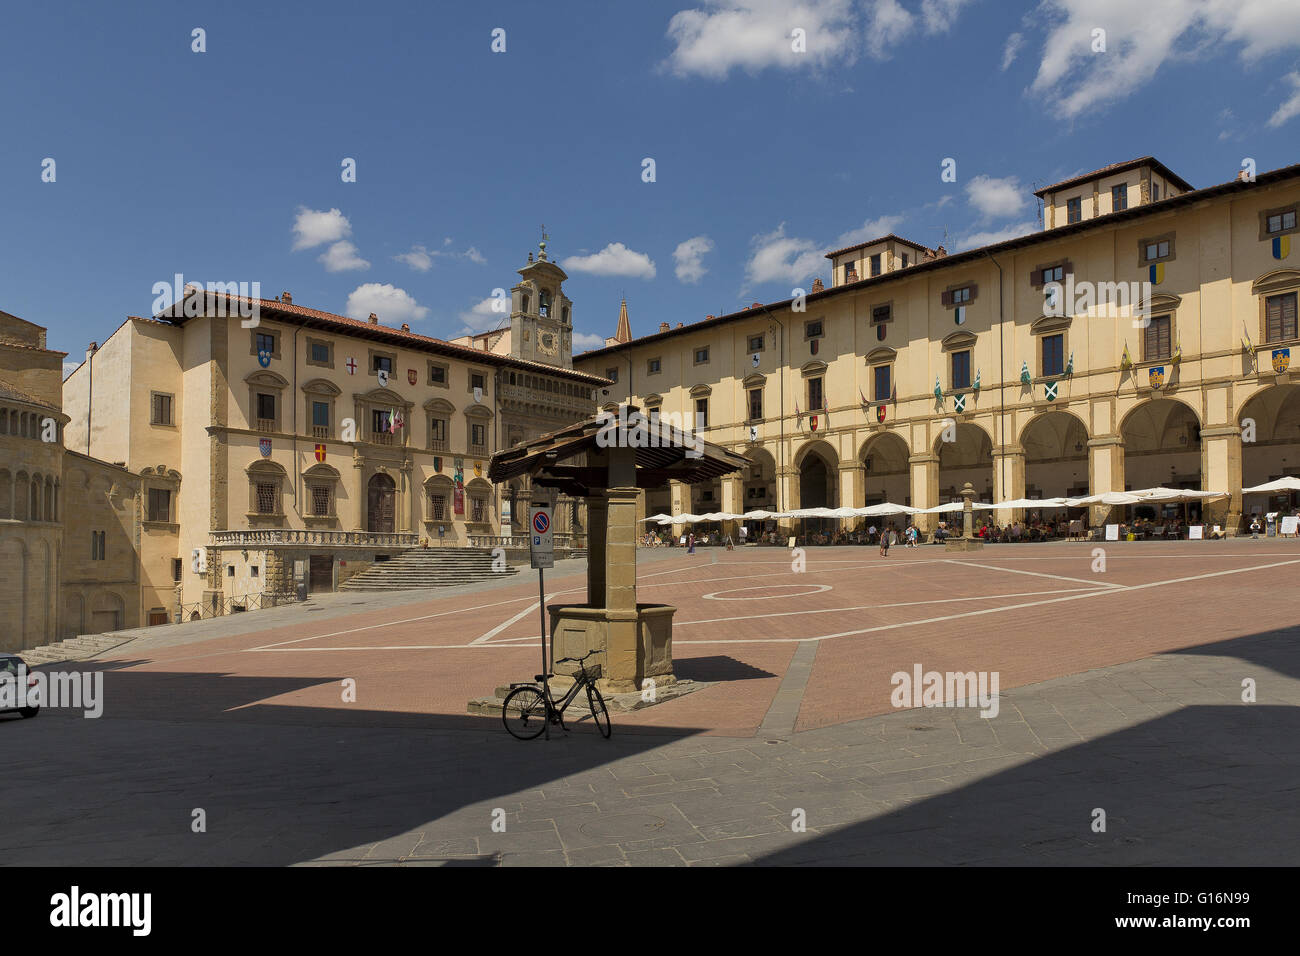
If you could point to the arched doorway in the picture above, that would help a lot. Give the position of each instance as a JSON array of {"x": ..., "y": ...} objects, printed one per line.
[
  {"x": 817, "y": 473},
  {"x": 967, "y": 458},
  {"x": 381, "y": 500},
  {"x": 1056, "y": 456},
  {"x": 1162, "y": 447},
  {"x": 1270, "y": 447},
  {"x": 885, "y": 471}
]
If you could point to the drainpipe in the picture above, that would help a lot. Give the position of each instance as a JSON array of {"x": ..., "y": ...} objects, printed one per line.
[
  {"x": 1002, "y": 374},
  {"x": 90, "y": 389}
]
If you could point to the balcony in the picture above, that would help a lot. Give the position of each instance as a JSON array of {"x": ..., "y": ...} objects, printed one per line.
[
  {"x": 266, "y": 425},
  {"x": 288, "y": 537},
  {"x": 478, "y": 451},
  {"x": 320, "y": 431},
  {"x": 438, "y": 444},
  {"x": 382, "y": 438}
]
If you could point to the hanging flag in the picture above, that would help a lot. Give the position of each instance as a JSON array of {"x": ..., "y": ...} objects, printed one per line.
[
  {"x": 1246, "y": 343},
  {"x": 798, "y": 414},
  {"x": 1069, "y": 366},
  {"x": 938, "y": 390},
  {"x": 1025, "y": 377},
  {"x": 863, "y": 397},
  {"x": 959, "y": 403},
  {"x": 1125, "y": 360},
  {"x": 826, "y": 408},
  {"x": 352, "y": 366},
  {"x": 976, "y": 386},
  {"x": 1178, "y": 350},
  {"x": 1049, "y": 390}
]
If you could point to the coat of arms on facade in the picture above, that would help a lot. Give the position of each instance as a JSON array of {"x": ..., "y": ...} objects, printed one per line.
[
  {"x": 1156, "y": 376},
  {"x": 411, "y": 376},
  {"x": 264, "y": 446},
  {"x": 382, "y": 376},
  {"x": 1281, "y": 360}
]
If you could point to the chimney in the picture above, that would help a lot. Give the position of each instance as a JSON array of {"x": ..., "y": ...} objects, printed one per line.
[
  {"x": 374, "y": 319},
  {"x": 817, "y": 285},
  {"x": 664, "y": 326},
  {"x": 940, "y": 252},
  {"x": 91, "y": 349},
  {"x": 679, "y": 324},
  {"x": 286, "y": 298},
  {"x": 706, "y": 318},
  {"x": 755, "y": 305},
  {"x": 405, "y": 327}
]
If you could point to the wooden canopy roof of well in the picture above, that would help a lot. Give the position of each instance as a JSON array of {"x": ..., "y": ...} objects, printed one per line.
[{"x": 667, "y": 460}]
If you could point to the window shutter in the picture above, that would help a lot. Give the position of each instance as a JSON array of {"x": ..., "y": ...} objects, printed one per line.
[
  {"x": 945, "y": 298},
  {"x": 1036, "y": 278},
  {"x": 974, "y": 292}
]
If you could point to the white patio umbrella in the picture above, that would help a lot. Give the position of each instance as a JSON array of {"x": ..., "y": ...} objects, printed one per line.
[
  {"x": 660, "y": 517},
  {"x": 943, "y": 509},
  {"x": 1032, "y": 503},
  {"x": 1106, "y": 498},
  {"x": 886, "y": 508},
  {"x": 1281, "y": 484}
]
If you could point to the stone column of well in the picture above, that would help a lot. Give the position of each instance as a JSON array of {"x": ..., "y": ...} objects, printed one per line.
[
  {"x": 1221, "y": 471},
  {"x": 597, "y": 513},
  {"x": 1008, "y": 481},
  {"x": 790, "y": 491},
  {"x": 925, "y": 488},
  {"x": 733, "y": 494},
  {"x": 1105, "y": 473},
  {"x": 679, "y": 496},
  {"x": 622, "y": 664},
  {"x": 852, "y": 493}
]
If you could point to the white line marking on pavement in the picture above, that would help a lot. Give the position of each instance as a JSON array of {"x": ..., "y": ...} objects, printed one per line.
[
  {"x": 1037, "y": 574},
  {"x": 483, "y": 639}
]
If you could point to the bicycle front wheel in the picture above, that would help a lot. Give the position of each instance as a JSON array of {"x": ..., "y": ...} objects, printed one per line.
[
  {"x": 599, "y": 713},
  {"x": 524, "y": 712}
]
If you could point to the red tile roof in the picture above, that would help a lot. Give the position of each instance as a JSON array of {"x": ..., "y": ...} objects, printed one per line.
[
  {"x": 1113, "y": 168},
  {"x": 872, "y": 242}
]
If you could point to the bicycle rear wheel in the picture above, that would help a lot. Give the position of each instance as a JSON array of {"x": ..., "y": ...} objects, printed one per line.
[
  {"x": 599, "y": 713},
  {"x": 524, "y": 712}
]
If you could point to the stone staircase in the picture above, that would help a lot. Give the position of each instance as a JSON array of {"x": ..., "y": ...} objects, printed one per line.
[
  {"x": 428, "y": 568},
  {"x": 73, "y": 649}
]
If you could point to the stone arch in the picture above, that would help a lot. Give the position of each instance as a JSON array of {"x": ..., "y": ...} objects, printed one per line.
[
  {"x": 968, "y": 458},
  {"x": 107, "y": 611},
  {"x": 1055, "y": 444},
  {"x": 818, "y": 466},
  {"x": 1162, "y": 444},
  {"x": 759, "y": 481},
  {"x": 886, "y": 471},
  {"x": 1275, "y": 450}
]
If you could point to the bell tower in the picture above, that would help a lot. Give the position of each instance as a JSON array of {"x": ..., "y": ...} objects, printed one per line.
[{"x": 541, "y": 315}]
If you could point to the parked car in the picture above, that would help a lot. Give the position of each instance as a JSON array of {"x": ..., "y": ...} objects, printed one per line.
[{"x": 9, "y": 664}]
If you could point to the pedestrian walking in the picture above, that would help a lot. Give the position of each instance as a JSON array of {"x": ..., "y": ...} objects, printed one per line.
[
  {"x": 884, "y": 543},
  {"x": 690, "y": 543}
]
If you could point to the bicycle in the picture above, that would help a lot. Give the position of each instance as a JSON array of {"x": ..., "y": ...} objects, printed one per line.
[{"x": 527, "y": 709}]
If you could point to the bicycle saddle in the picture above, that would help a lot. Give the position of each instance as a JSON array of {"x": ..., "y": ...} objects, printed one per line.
[{"x": 540, "y": 677}]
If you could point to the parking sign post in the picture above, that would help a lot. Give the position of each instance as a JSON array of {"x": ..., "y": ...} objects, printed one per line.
[{"x": 542, "y": 551}]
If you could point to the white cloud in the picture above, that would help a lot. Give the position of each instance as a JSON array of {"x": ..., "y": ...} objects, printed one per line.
[
  {"x": 755, "y": 34},
  {"x": 996, "y": 198},
  {"x": 615, "y": 259},
  {"x": 1291, "y": 107},
  {"x": 342, "y": 257},
  {"x": 419, "y": 258},
  {"x": 871, "y": 229},
  {"x": 315, "y": 227},
  {"x": 1142, "y": 37},
  {"x": 584, "y": 341},
  {"x": 889, "y": 23},
  {"x": 482, "y": 316},
  {"x": 688, "y": 254},
  {"x": 940, "y": 14},
  {"x": 1014, "y": 43},
  {"x": 997, "y": 235},
  {"x": 781, "y": 258},
  {"x": 392, "y": 305}
]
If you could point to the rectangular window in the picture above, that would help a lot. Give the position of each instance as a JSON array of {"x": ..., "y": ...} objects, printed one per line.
[
  {"x": 252, "y": 570},
  {"x": 1118, "y": 198},
  {"x": 1073, "y": 210},
  {"x": 701, "y": 356},
  {"x": 1155, "y": 192},
  {"x": 881, "y": 382},
  {"x": 162, "y": 410},
  {"x": 814, "y": 394},
  {"x": 478, "y": 435},
  {"x": 961, "y": 369},
  {"x": 478, "y": 509},
  {"x": 612, "y": 375},
  {"x": 320, "y": 414},
  {"x": 266, "y": 497},
  {"x": 881, "y": 313},
  {"x": 756, "y": 343},
  {"x": 437, "y": 507},
  {"x": 320, "y": 500},
  {"x": 1280, "y": 317},
  {"x": 381, "y": 363},
  {"x": 1053, "y": 354},
  {"x": 160, "y": 505},
  {"x": 437, "y": 375},
  {"x": 178, "y": 567},
  {"x": 1053, "y": 274},
  {"x": 960, "y": 296},
  {"x": 874, "y": 264},
  {"x": 813, "y": 329},
  {"x": 265, "y": 342},
  {"x": 438, "y": 433},
  {"x": 97, "y": 545},
  {"x": 478, "y": 380},
  {"x": 904, "y": 261},
  {"x": 378, "y": 422},
  {"x": 1155, "y": 339},
  {"x": 320, "y": 353},
  {"x": 701, "y": 413},
  {"x": 1157, "y": 250},
  {"x": 266, "y": 407},
  {"x": 755, "y": 404},
  {"x": 653, "y": 367}
]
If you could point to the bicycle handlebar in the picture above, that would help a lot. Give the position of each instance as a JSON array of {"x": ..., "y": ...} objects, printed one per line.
[{"x": 578, "y": 660}]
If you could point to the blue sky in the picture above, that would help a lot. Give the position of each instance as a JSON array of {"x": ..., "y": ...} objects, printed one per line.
[{"x": 225, "y": 165}]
